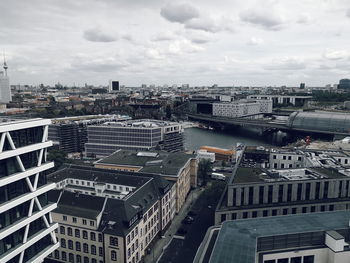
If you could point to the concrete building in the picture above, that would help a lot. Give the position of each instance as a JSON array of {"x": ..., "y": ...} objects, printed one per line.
[
  {"x": 322, "y": 183},
  {"x": 180, "y": 168},
  {"x": 344, "y": 84},
  {"x": 142, "y": 135},
  {"x": 5, "y": 90},
  {"x": 242, "y": 108},
  {"x": 109, "y": 216},
  {"x": 305, "y": 238},
  {"x": 70, "y": 133},
  {"x": 205, "y": 155},
  {"x": 26, "y": 227},
  {"x": 283, "y": 99},
  {"x": 220, "y": 154}
]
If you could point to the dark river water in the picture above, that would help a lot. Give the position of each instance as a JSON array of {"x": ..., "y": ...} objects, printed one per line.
[{"x": 196, "y": 137}]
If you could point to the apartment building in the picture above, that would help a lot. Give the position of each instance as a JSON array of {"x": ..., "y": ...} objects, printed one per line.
[
  {"x": 178, "y": 167},
  {"x": 109, "y": 216},
  {"x": 303, "y": 238},
  {"x": 254, "y": 191},
  {"x": 27, "y": 233}
]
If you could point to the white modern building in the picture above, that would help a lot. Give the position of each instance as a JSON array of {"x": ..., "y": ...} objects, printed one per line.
[
  {"x": 5, "y": 91},
  {"x": 27, "y": 233},
  {"x": 205, "y": 155},
  {"x": 242, "y": 108}
]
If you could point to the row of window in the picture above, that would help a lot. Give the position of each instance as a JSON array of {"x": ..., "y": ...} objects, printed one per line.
[
  {"x": 305, "y": 259},
  {"x": 114, "y": 187},
  {"x": 78, "y": 233},
  {"x": 75, "y": 220},
  {"x": 77, "y": 258}
]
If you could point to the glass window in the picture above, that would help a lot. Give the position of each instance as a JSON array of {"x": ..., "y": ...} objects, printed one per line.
[
  {"x": 85, "y": 248},
  {"x": 64, "y": 256},
  {"x": 74, "y": 219},
  {"x": 62, "y": 230},
  {"x": 84, "y": 222},
  {"x": 93, "y": 249},
  {"x": 78, "y": 259},
  {"x": 92, "y": 236},
  {"x": 77, "y": 246},
  {"x": 100, "y": 251},
  {"x": 63, "y": 242},
  {"x": 70, "y": 231},
  {"x": 309, "y": 259},
  {"x": 64, "y": 218},
  {"x": 113, "y": 255},
  {"x": 85, "y": 234},
  {"x": 295, "y": 260},
  {"x": 77, "y": 232},
  {"x": 70, "y": 244},
  {"x": 71, "y": 257},
  {"x": 86, "y": 260}
]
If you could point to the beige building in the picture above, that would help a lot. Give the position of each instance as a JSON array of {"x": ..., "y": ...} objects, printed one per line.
[
  {"x": 180, "y": 168},
  {"x": 109, "y": 216}
]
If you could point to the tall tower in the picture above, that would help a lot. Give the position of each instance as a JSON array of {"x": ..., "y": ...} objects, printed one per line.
[{"x": 5, "y": 65}]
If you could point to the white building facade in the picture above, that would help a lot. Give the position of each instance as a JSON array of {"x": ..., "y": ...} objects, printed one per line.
[
  {"x": 5, "y": 91},
  {"x": 27, "y": 233}
]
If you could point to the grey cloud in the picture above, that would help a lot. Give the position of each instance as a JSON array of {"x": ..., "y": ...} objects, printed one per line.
[
  {"x": 163, "y": 36},
  {"x": 264, "y": 18},
  {"x": 348, "y": 13},
  {"x": 203, "y": 23},
  {"x": 288, "y": 63},
  {"x": 99, "y": 66},
  {"x": 179, "y": 12},
  {"x": 97, "y": 35}
]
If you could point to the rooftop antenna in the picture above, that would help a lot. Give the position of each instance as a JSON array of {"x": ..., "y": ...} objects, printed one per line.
[{"x": 5, "y": 64}]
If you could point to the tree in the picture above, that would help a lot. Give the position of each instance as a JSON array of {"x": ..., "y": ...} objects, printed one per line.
[
  {"x": 204, "y": 168},
  {"x": 58, "y": 156}
]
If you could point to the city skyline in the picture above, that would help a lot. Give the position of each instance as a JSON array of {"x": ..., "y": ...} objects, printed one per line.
[{"x": 199, "y": 43}]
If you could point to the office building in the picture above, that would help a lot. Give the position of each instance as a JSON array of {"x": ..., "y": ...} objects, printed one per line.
[
  {"x": 320, "y": 183},
  {"x": 344, "y": 84},
  {"x": 26, "y": 228},
  {"x": 109, "y": 216},
  {"x": 304, "y": 238},
  {"x": 113, "y": 86},
  {"x": 142, "y": 135},
  {"x": 283, "y": 99},
  {"x": 70, "y": 133},
  {"x": 179, "y": 167}
]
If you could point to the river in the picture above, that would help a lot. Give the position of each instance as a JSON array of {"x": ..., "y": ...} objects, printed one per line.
[{"x": 197, "y": 137}]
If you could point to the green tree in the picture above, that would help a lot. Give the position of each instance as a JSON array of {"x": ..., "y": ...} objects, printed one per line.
[
  {"x": 58, "y": 156},
  {"x": 204, "y": 169}
]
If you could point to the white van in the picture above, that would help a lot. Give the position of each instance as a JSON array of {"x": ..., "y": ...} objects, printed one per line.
[{"x": 218, "y": 176}]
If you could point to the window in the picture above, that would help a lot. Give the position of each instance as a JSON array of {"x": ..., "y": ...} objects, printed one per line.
[
  {"x": 85, "y": 234},
  {"x": 84, "y": 222},
  {"x": 100, "y": 238},
  {"x": 64, "y": 256},
  {"x": 74, "y": 219},
  {"x": 77, "y": 246},
  {"x": 57, "y": 254},
  {"x": 255, "y": 214},
  {"x": 285, "y": 211},
  {"x": 63, "y": 242},
  {"x": 309, "y": 259},
  {"x": 113, "y": 241},
  {"x": 270, "y": 261},
  {"x": 86, "y": 260},
  {"x": 274, "y": 212},
  {"x": 92, "y": 223},
  {"x": 69, "y": 231},
  {"x": 223, "y": 217},
  {"x": 78, "y": 259},
  {"x": 129, "y": 252},
  {"x": 289, "y": 158},
  {"x": 64, "y": 218},
  {"x": 62, "y": 230},
  {"x": 295, "y": 260},
  {"x": 294, "y": 210},
  {"x": 70, "y": 244},
  {"x": 92, "y": 236},
  {"x": 93, "y": 249},
  {"x": 245, "y": 214},
  {"x": 77, "y": 232},
  {"x": 85, "y": 248},
  {"x": 274, "y": 157},
  {"x": 283, "y": 260},
  {"x": 113, "y": 255},
  {"x": 71, "y": 257},
  {"x": 93, "y": 260},
  {"x": 128, "y": 240},
  {"x": 100, "y": 251},
  {"x": 265, "y": 213}
]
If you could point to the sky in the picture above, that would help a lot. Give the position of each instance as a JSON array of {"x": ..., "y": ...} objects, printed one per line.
[{"x": 197, "y": 42}]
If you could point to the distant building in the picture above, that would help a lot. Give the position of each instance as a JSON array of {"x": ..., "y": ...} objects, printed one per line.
[
  {"x": 27, "y": 233},
  {"x": 205, "y": 155},
  {"x": 179, "y": 167},
  {"x": 242, "y": 108},
  {"x": 109, "y": 216},
  {"x": 304, "y": 238},
  {"x": 344, "y": 84},
  {"x": 302, "y": 85},
  {"x": 283, "y": 99},
  {"x": 113, "y": 86},
  {"x": 70, "y": 133},
  {"x": 142, "y": 135},
  {"x": 220, "y": 154}
]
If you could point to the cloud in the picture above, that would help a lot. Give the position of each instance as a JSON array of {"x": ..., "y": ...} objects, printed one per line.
[
  {"x": 348, "y": 13},
  {"x": 152, "y": 53},
  {"x": 255, "y": 41},
  {"x": 203, "y": 23},
  {"x": 336, "y": 54},
  {"x": 97, "y": 35},
  {"x": 164, "y": 36},
  {"x": 99, "y": 66},
  {"x": 179, "y": 12},
  {"x": 198, "y": 37},
  {"x": 286, "y": 63},
  {"x": 304, "y": 19},
  {"x": 264, "y": 18}
]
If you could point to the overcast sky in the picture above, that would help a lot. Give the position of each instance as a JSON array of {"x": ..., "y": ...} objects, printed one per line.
[{"x": 199, "y": 42}]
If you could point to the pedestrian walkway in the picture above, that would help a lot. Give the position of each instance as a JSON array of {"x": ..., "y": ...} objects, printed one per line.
[{"x": 162, "y": 243}]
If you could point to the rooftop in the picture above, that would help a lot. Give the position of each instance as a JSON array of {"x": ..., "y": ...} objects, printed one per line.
[
  {"x": 158, "y": 162},
  {"x": 237, "y": 240}
]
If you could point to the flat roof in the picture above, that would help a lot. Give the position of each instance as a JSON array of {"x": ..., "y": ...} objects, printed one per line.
[{"x": 237, "y": 240}]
